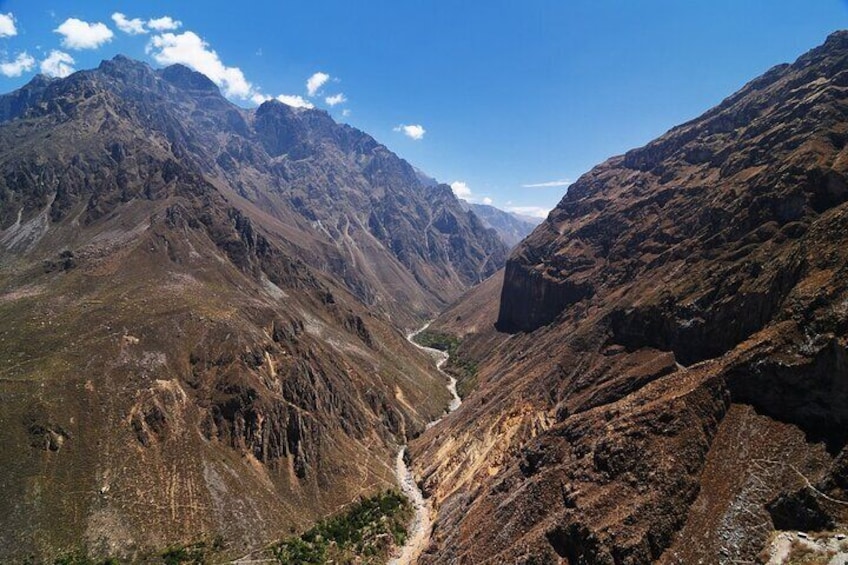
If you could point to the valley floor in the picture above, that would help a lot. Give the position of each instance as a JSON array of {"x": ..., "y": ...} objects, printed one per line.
[{"x": 422, "y": 525}]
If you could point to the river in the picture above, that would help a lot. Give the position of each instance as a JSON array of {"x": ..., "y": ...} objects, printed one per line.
[{"x": 422, "y": 525}]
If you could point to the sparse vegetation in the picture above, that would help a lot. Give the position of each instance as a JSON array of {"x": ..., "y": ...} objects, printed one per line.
[
  {"x": 802, "y": 554},
  {"x": 193, "y": 554},
  {"x": 80, "y": 557},
  {"x": 464, "y": 369},
  {"x": 198, "y": 553},
  {"x": 364, "y": 534},
  {"x": 465, "y": 372},
  {"x": 438, "y": 340}
]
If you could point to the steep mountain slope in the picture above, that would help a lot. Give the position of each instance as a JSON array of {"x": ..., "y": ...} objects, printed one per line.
[
  {"x": 669, "y": 379},
  {"x": 203, "y": 311},
  {"x": 510, "y": 227},
  {"x": 341, "y": 200}
]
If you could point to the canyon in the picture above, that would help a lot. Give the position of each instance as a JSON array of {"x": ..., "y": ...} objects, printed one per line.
[
  {"x": 207, "y": 332},
  {"x": 204, "y": 313}
]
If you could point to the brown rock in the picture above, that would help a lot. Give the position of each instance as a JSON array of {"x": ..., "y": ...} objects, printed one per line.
[{"x": 673, "y": 382}]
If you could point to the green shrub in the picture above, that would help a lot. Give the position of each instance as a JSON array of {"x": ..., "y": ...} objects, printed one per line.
[
  {"x": 80, "y": 557},
  {"x": 366, "y": 532},
  {"x": 438, "y": 340},
  {"x": 464, "y": 369},
  {"x": 195, "y": 554}
]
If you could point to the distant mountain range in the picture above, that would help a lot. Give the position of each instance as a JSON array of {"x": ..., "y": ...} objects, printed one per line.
[{"x": 510, "y": 227}]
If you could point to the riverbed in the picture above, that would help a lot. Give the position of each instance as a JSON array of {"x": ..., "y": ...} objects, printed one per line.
[{"x": 422, "y": 525}]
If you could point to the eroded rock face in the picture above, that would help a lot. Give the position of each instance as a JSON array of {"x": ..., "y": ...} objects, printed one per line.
[
  {"x": 669, "y": 380},
  {"x": 542, "y": 298},
  {"x": 657, "y": 206}
]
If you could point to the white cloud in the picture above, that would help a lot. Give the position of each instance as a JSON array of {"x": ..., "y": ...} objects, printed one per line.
[
  {"x": 133, "y": 26},
  {"x": 414, "y": 131},
  {"x": 295, "y": 101},
  {"x": 292, "y": 100},
  {"x": 7, "y": 25},
  {"x": 165, "y": 23},
  {"x": 77, "y": 34},
  {"x": 549, "y": 184},
  {"x": 315, "y": 82},
  {"x": 535, "y": 211},
  {"x": 189, "y": 49},
  {"x": 345, "y": 113},
  {"x": 258, "y": 98},
  {"x": 461, "y": 190},
  {"x": 335, "y": 99},
  {"x": 23, "y": 63},
  {"x": 57, "y": 64}
]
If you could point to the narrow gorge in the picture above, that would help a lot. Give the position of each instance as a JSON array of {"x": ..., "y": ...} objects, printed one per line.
[{"x": 421, "y": 526}]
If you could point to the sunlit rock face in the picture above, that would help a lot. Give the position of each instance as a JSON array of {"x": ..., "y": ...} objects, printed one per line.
[{"x": 665, "y": 368}]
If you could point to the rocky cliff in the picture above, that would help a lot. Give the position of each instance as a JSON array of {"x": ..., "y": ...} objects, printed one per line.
[
  {"x": 666, "y": 381},
  {"x": 203, "y": 313}
]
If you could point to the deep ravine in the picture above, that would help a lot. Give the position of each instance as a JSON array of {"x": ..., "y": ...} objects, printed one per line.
[{"x": 422, "y": 525}]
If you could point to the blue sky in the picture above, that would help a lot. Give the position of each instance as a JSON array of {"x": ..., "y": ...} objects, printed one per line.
[{"x": 494, "y": 96}]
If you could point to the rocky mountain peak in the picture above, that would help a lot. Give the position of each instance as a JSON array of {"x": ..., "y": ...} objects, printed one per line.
[
  {"x": 188, "y": 79},
  {"x": 40, "y": 80},
  {"x": 836, "y": 41},
  {"x": 129, "y": 71},
  {"x": 15, "y": 104}
]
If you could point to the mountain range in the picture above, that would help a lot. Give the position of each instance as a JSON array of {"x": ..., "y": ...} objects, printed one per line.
[
  {"x": 204, "y": 312},
  {"x": 510, "y": 227}
]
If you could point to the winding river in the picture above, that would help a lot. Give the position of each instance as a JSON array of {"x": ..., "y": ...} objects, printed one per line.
[{"x": 422, "y": 525}]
